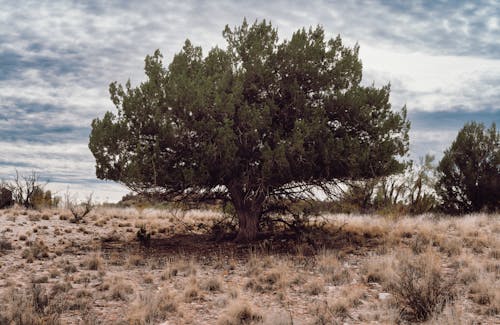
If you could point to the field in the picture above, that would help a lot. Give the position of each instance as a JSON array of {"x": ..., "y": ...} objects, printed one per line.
[{"x": 345, "y": 269}]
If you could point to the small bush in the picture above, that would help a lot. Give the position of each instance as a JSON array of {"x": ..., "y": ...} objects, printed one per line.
[
  {"x": 32, "y": 306},
  {"x": 120, "y": 289},
  {"x": 332, "y": 269},
  {"x": 35, "y": 250},
  {"x": 5, "y": 245},
  {"x": 94, "y": 262},
  {"x": 315, "y": 287},
  {"x": 420, "y": 288},
  {"x": 152, "y": 309},
  {"x": 212, "y": 284},
  {"x": 240, "y": 313}
]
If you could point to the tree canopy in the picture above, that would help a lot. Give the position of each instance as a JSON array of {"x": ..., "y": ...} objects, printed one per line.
[
  {"x": 260, "y": 120},
  {"x": 469, "y": 172}
]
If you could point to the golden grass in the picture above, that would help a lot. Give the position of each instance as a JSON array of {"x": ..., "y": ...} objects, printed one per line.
[{"x": 360, "y": 273}]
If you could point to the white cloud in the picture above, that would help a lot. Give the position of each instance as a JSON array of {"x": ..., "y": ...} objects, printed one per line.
[
  {"x": 436, "y": 55},
  {"x": 434, "y": 83}
]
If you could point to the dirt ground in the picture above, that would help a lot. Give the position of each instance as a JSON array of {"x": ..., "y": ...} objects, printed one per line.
[{"x": 352, "y": 270}]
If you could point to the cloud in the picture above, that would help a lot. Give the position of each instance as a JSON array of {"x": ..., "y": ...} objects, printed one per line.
[
  {"x": 57, "y": 59},
  {"x": 433, "y": 132}
]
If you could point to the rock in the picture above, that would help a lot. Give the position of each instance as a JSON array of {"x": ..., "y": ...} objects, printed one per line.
[{"x": 384, "y": 295}]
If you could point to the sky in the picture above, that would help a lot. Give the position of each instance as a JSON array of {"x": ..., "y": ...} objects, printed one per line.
[{"x": 57, "y": 59}]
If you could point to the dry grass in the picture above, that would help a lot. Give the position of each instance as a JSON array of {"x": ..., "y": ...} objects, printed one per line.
[
  {"x": 372, "y": 270},
  {"x": 152, "y": 308},
  {"x": 420, "y": 287},
  {"x": 240, "y": 312}
]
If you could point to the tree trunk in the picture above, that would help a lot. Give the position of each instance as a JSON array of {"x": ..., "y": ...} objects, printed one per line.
[
  {"x": 248, "y": 208},
  {"x": 248, "y": 226}
]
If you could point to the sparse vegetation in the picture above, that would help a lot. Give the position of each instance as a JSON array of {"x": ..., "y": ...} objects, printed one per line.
[{"x": 360, "y": 269}]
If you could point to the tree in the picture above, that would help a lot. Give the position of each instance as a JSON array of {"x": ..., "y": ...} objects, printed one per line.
[
  {"x": 469, "y": 172},
  {"x": 27, "y": 189},
  {"x": 5, "y": 197},
  {"x": 255, "y": 123}
]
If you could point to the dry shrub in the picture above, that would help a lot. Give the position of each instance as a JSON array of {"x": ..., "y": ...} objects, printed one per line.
[
  {"x": 135, "y": 260},
  {"x": 5, "y": 245},
  {"x": 152, "y": 308},
  {"x": 35, "y": 250},
  {"x": 315, "y": 287},
  {"x": 180, "y": 268},
  {"x": 270, "y": 280},
  {"x": 332, "y": 269},
  {"x": 60, "y": 287},
  {"x": 148, "y": 278},
  {"x": 332, "y": 311},
  {"x": 192, "y": 291},
  {"x": 468, "y": 274},
  {"x": 116, "y": 259},
  {"x": 119, "y": 289},
  {"x": 420, "y": 287},
  {"x": 94, "y": 262},
  {"x": 483, "y": 290},
  {"x": 420, "y": 243},
  {"x": 240, "y": 312},
  {"x": 450, "y": 246},
  {"x": 379, "y": 269},
  {"x": 256, "y": 263},
  {"x": 34, "y": 307},
  {"x": 212, "y": 284},
  {"x": 451, "y": 315}
]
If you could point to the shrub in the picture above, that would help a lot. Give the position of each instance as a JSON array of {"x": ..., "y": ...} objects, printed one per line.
[
  {"x": 32, "y": 307},
  {"x": 240, "y": 313},
  {"x": 420, "y": 288},
  {"x": 5, "y": 244},
  {"x": 6, "y": 199},
  {"x": 152, "y": 308}
]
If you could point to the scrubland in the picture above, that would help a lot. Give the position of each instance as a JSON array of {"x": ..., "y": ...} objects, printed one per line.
[{"x": 343, "y": 269}]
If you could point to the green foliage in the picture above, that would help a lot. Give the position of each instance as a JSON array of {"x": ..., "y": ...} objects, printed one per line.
[
  {"x": 6, "y": 199},
  {"x": 469, "y": 173},
  {"x": 257, "y": 120}
]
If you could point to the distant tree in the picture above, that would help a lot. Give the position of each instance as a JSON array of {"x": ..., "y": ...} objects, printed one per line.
[
  {"x": 469, "y": 173},
  {"x": 421, "y": 182},
  {"x": 255, "y": 123},
  {"x": 6, "y": 199},
  {"x": 27, "y": 190}
]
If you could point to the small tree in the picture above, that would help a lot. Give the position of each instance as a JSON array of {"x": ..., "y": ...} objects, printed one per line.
[
  {"x": 469, "y": 173},
  {"x": 26, "y": 189},
  {"x": 421, "y": 182},
  {"x": 257, "y": 122},
  {"x": 6, "y": 199},
  {"x": 80, "y": 211}
]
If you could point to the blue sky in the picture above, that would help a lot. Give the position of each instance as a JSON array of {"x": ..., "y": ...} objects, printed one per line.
[{"x": 57, "y": 59}]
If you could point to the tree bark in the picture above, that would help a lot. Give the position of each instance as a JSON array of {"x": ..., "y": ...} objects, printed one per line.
[
  {"x": 248, "y": 210},
  {"x": 248, "y": 226}
]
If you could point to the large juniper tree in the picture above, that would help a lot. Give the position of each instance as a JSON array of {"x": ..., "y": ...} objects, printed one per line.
[{"x": 258, "y": 121}]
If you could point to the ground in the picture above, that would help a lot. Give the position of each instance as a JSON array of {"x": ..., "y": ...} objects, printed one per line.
[{"x": 345, "y": 269}]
